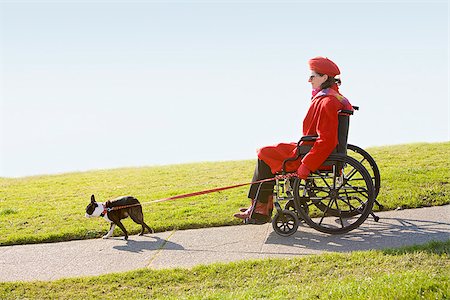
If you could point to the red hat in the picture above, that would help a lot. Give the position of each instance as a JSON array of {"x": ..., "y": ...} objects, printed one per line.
[{"x": 323, "y": 65}]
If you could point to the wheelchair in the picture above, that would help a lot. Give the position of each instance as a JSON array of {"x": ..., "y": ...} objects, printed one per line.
[{"x": 336, "y": 198}]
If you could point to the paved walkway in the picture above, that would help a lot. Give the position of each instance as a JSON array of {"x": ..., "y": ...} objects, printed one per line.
[{"x": 187, "y": 248}]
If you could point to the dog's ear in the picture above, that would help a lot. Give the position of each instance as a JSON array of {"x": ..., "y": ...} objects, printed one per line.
[{"x": 92, "y": 199}]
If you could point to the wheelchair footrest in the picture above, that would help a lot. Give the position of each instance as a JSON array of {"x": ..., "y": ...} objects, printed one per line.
[
  {"x": 258, "y": 219},
  {"x": 256, "y": 222}
]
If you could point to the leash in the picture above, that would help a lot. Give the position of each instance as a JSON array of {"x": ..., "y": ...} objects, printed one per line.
[{"x": 205, "y": 191}]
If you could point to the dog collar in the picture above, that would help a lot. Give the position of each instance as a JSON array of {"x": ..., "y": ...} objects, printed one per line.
[{"x": 105, "y": 211}]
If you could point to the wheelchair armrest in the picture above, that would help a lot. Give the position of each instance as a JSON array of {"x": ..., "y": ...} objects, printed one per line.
[
  {"x": 309, "y": 138},
  {"x": 283, "y": 166},
  {"x": 299, "y": 152},
  {"x": 346, "y": 112}
]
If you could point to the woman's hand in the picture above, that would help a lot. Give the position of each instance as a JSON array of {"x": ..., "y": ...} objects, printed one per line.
[{"x": 303, "y": 172}]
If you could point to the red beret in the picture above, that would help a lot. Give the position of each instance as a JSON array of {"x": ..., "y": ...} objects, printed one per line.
[{"x": 323, "y": 65}]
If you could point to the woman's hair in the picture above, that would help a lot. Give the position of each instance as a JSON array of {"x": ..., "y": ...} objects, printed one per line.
[{"x": 330, "y": 81}]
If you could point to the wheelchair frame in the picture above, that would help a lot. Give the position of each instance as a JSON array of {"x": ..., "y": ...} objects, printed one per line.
[{"x": 335, "y": 199}]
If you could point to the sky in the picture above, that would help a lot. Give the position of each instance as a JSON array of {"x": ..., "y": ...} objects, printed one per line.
[{"x": 88, "y": 85}]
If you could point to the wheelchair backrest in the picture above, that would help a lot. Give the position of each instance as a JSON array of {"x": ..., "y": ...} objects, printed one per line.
[{"x": 343, "y": 126}]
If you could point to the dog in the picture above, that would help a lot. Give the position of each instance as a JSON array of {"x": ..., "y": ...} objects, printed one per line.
[{"x": 132, "y": 208}]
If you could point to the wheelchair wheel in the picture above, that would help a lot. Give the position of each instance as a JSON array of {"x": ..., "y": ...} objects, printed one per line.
[
  {"x": 336, "y": 201},
  {"x": 285, "y": 223},
  {"x": 369, "y": 163}
]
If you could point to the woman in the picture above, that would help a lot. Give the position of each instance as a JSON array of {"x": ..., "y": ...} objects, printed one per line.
[{"x": 321, "y": 120}]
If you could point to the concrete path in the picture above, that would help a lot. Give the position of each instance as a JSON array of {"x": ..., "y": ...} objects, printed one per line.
[{"x": 188, "y": 248}]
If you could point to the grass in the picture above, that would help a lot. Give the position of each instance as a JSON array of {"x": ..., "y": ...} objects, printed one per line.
[
  {"x": 51, "y": 208},
  {"x": 419, "y": 272}
]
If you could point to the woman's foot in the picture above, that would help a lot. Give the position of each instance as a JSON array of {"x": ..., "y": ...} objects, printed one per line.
[
  {"x": 257, "y": 214},
  {"x": 245, "y": 212}
]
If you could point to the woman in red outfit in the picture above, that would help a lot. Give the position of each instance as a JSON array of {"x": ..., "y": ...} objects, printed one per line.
[{"x": 321, "y": 120}]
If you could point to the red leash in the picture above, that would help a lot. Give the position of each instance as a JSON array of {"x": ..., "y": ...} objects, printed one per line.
[
  {"x": 209, "y": 191},
  {"x": 206, "y": 191}
]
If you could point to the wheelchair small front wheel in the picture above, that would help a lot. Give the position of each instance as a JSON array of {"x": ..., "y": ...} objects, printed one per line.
[{"x": 285, "y": 223}]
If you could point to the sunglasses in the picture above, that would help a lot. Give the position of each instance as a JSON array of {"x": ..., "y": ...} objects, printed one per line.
[{"x": 314, "y": 75}]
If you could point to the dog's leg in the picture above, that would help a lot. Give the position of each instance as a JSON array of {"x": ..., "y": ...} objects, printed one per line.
[
  {"x": 123, "y": 229},
  {"x": 110, "y": 232},
  {"x": 140, "y": 221},
  {"x": 143, "y": 229},
  {"x": 150, "y": 230}
]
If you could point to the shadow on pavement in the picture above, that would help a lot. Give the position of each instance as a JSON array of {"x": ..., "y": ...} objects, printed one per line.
[
  {"x": 388, "y": 232},
  {"x": 153, "y": 243}
]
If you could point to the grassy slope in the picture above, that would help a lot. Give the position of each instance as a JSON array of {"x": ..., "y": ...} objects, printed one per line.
[
  {"x": 51, "y": 208},
  {"x": 420, "y": 272}
]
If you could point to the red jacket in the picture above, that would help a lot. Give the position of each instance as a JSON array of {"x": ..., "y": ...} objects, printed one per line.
[{"x": 321, "y": 120}]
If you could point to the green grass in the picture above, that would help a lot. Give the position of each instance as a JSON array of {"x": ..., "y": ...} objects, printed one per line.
[
  {"x": 51, "y": 208},
  {"x": 419, "y": 272}
]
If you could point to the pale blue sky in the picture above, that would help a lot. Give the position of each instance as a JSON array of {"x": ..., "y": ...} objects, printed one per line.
[{"x": 104, "y": 84}]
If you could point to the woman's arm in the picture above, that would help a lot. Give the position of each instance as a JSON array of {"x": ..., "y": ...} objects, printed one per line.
[{"x": 326, "y": 128}]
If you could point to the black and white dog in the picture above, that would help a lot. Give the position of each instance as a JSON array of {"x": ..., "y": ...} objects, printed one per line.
[{"x": 131, "y": 207}]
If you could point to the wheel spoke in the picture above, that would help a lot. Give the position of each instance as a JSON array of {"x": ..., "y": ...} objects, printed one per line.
[
  {"x": 340, "y": 214},
  {"x": 351, "y": 174},
  {"x": 358, "y": 190}
]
